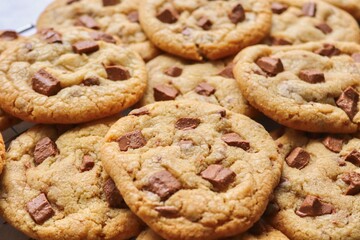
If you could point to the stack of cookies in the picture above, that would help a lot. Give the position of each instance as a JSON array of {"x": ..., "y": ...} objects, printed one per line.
[{"x": 184, "y": 119}]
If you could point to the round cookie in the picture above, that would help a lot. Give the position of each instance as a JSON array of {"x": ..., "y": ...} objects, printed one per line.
[
  {"x": 2, "y": 153},
  {"x": 65, "y": 76},
  {"x": 205, "y": 29},
  {"x": 171, "y": 78},
  {"x": 116, "y": 17},
  {"x": 54, "y": 186},
  {"x": 301, "y": 21},
  {"x": 318, "y": 197},
  {"x": 311, "y": 87},
  {"x": 351, "y": 6},
  {"x": 192, "y": 170}
]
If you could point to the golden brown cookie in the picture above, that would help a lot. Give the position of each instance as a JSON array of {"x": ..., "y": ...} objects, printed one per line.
[
  {"x": 2, "y": 153},
  {"x": 351, "y": 6}
]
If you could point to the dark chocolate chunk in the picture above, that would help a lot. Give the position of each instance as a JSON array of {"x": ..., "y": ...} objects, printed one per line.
[
  {"x": 237, "y": 14},
  {"x": 353, "y": 179},
  {"x": 312, "y": 76},
  {"x": 205, "y": 89},
  {"x": 44, "y": 83},
  {"x": 328, "y": 50},
  {"x": 50, "y": 35},
  {"x": 280, "y": 42},
  {"x": 68, "y": 2},
  {"x": 164, "y": 184},
  {"x": 270, "y": 65},
  {"x": 110, "y": 2},
  {"x": 218, "y": 175},
  {"x": 9, "y": 35},
  {"x": 133, "y": 16},
  {"x": 353, "y": 157},
  {"x": 333, "y": 144},
  {"x": 87, "y": 164},
  {"x": 131, "y": 140},
  {"x": 40, "y": 209},
  {"x": 312, "y": 206},
  {"x": 88, "y": 22},
  {"x": 298, "y": 158},
  {"x": 117, "y": 73},
  {"x": 44, "y": 149},
  {"x": 187, "y": 123},
  {"x": 112, "y": 194},
  {"x": 91, "y": 81},
  {"x": 167, "y": 211},
  {"x": 309, "y": 9},
  {"x": 86, "y": 47},
  {"x": 227, "y": 72},
  {"x": 356, "y": 57},
  {"x": 139, "y": 111},
  {"x": 101, "y": 36},
  {"x": 234, "y": 140},
  {"x": 348, "y": 102},
  {"x": 165, "y": 93},
  {"x": 173, "y": 71},
  {"x": 278, "y": 8},
  {"x": 326, "y": 29},
  {"x": 168, "y": 15},
  {"x": 204, "y": 23}
]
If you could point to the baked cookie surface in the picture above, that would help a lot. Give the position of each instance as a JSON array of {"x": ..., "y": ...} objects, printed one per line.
[
  {"x": 301, "y": 21},
  {"x": 54, "y": 186},
  {"x": 351, "y": 6},
  {"x": 204, "y": 29},
  {"x": 2, "y": 153},
  {"x": 192, "y": 170},
  {"x": 116, "y": 17},
  {"x": 65, "y": 76},
  {"x": 171, "y": 78},
  {"x": 311, "y": 87},
  {"x": 318, "y": 197}
]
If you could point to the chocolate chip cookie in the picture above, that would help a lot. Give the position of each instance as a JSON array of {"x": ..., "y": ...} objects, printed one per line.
[
  {"x": 69, "y": 75},
  {"x": 312, "y": 87},
  {"x": 54, "y": 186},
  {"x": 172, "y": 78},
  {"x": 205, "y": 29},
  {"x": 351, "y": 6},
  {"x": 2, "y": 153},
  {"x": 302, "y": 21},
  {"x": 318, "y": 197},
  {"x": 192, "y": 170},
  {"x": 115, "y": 17}
]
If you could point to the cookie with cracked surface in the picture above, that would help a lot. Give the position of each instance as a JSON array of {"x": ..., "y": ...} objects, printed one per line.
[
  {"x": 54, "y": 186},
  {"x": 205, "y": 29},
  {"x": 301, "y": 21},
  {"x": 189, "y": 169},
  {"x": 320, "y": 199},
  {"x": 118, "y": 18},
  {"x": 351, "y": 6},
  {"x": 211, "y": 82},
  {"x": 312, "y": 87},
  {"x": 65, "y": 76}
]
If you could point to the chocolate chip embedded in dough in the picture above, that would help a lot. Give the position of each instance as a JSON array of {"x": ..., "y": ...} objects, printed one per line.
[
  {"x": 112, "y": 194},
  {"x": 43, "y": 149},
  {"x": 187, "y": 123},
  {"x": 165, "y": 93},
  {"x": 164, "y": 184},
  {"x": 234, "y": 140},
  {"x": 333, "y": 144},
  {"x": 353, "y": 179},
  {"x": 278, "y": 8},
  {"x": 86, "y": 47},
  {"x": 173, "y": 71},
  {"x": 205, "y": 89},
  {"x": 87, "y": 164},
  {"x": 328, "y": 50},
  {"x": 133, "y": 16},
  {"x": 325, "y": 28},
  {"x": 110, "y": 2},
  {"x": 298, "y": 158},
  {"x": 133, "y": 140},
  {"x": 44, "y": 83},
  {"x": 205, "y": 23},
  {"x": 312, "y": 206},
  {"x": 168, "y": 15},
  {"x": 312, "y": 76},
  {"x": 101, "y": 36},
  {"x": 140, "y": 111},
  {"x": 237, "y": 14},
  {"x": 167, "y": 211},
  {"x": 218, "y": 175},
  {"x": 309, "y": 9},
  {"x": 227, "y": 72},
  {"x": 91, "y": 81},
  {"x": 353, "y": 157},
  {"x": 40, "y": 209},
  {"x": 88, "y": 22},
  {"x": 117, "y": 73},
  {"x": 348, "y": 102},
  {"x": 50, "y": 35},
  {"x": 9, "y": 35},
  {"x": 280, "y": 42},
  {"x": 270, "y": 65}
]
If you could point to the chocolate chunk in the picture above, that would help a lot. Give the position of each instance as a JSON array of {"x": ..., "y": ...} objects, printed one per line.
[
  {"x": 86, "y": 47},
  {"x": 139, "y": 111},
  {"x": 328, "y": 50},
  {"x": 312, "y": 206},
  {"x": 312, "y": 76},
  {"x": 280, "y": 42},
  {"x": 356, "y": 57},
  {"x": 40, "y": 209},
  {"x": 205, "y": 89},
  {"x": 131, "y": 140},
  {"x": 165, "y": 93},
  {"x": 44, "y": 149},
  {"x": 164, "y": 184},
  {"x": 87, "y": 164},
  {"x": 167, "y": 211},
  {"x": 227, "y": 72},
  {"x": 168, "y": 15},
  {"x": 222, "y": 113},
  {"x": 112, "y": 194},
  {"x": 218, "y": 175},
  {"x": 237, "y": 14},
  {"x": 298, "y": 158},
  {"x": 117, "y": 73},
  {"x": 110, "y": 2},
  {"x": 353, "y": 179},
  {"x": 88, "y": 22},
  {"x": 278, "y": 8},
  {"x": 234, "y": 140},
  {"x": 71, "y": 1},
  {"x": 50, "y": 35},
  {"x": 204, "y": 23},
  {"x": 9, "y": 35},
  {"x": 44, "y": 83},
  {"x": 173, "y": 71},
  {"x": 309, "y": 9},
  {"x": 333, "y": 144},
  {"x": 133, "y": 16},
  {"x": 348, "y": 102},
  {"x": 270, "y": 65},
  {"x": 101, "y": 36},
  {"x": 187, "y": 123},
  {"x": 353, "y": 157},
  {"x": 92, "y": 81},
  {"x": 326, "y": 29}
]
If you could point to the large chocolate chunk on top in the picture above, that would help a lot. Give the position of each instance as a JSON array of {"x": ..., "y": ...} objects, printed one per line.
[
  {"x": 9, "y": 35},
  {"x": 44, "y": 149},
  {"x": 270, "y": 65},
  {"x": 348, "y": 102},
  {"x": 353, "y": 179},
  {"x": 86, "y": 47},
  {"x": 46, "y": 84},
  {"x": 50, "y": 35},
  {"x": 234, "y": 140},
  {"x": 168, "y": 15},
  {"x": 164, "y": 184},
  {"x": 237, "y": 14},
  {"x": 312, "y": 206},
  {"x": 165, "y": 93},
  {"x": 298, "y": 158},
  {"x": 187, "y": 123},
  {"x": 112, "y": 194},
  {"x": 218, "y": 175},
  {"x": 117, "y": 73},
  {"x": 88, "y": 22},
  {"x": 131, "y": 140},
  {"x": 40, "y": 209}
]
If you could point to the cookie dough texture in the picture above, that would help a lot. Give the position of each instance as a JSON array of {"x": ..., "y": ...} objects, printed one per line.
[
  {"x": 351, "y": 6},
  {"x": 227, "y": 93},
  {"x": 110, "y": 19},
  {"x": 2, "y": 153},
  {"x": 78, "y": 199},
  {"x": 224, "y": 38},
  {"x": 201, "y": 210},
  {"x": 322, "y": 177},
  {"x": 296, "y": 103},
  {"x": 75, "y": 102}
]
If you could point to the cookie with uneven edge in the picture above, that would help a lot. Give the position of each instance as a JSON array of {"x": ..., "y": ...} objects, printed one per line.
[
  {"x": 312, "y": 87},
  {"x": 351, "y": 6},
  {"x": 301, "y": 21},
  {"x": 205, "y": 29},
  {"x": 115, "y": 17},
  {"x": 320, "y": 188},
  {"x": 65, "y": 76},
  {"x": 192, "y": 170},
  {"x": 54, "y": 186},
  {"x": 211, "y": 82}
]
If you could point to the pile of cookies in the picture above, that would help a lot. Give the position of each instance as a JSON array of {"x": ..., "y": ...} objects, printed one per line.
[{"x": 242, "y": 120}]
